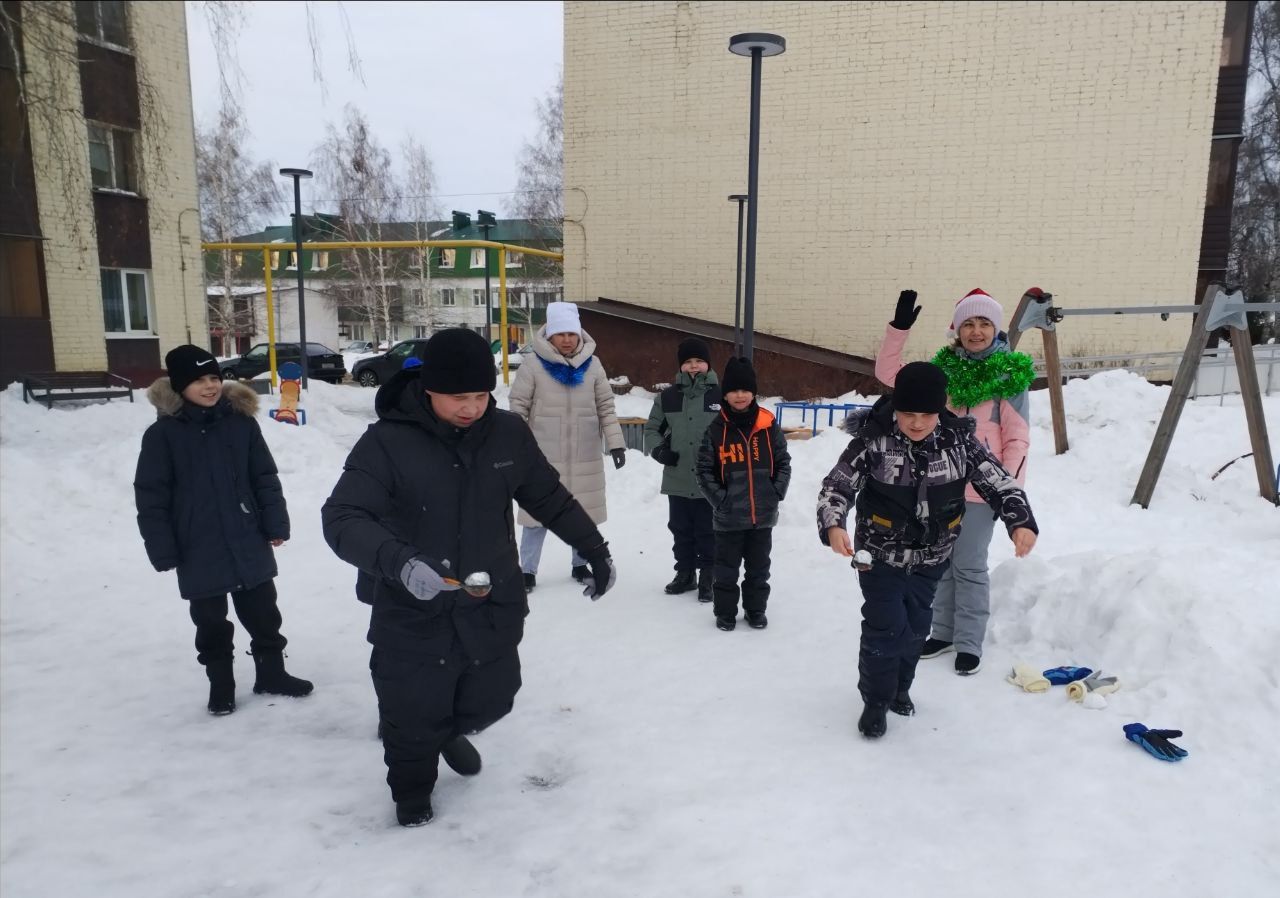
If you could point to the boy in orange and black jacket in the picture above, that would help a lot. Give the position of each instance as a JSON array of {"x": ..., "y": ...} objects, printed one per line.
[{"x": 743, "y": 470}]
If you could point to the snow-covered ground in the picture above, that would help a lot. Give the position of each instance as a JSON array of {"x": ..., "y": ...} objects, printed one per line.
[{"x": 650, "y": 754}]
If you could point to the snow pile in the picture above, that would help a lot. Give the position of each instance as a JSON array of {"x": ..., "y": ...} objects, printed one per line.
[{"x": 650, "y": 754}]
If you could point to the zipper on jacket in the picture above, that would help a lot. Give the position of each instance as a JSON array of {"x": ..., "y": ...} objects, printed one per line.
[{"x": 751, "y": 481}]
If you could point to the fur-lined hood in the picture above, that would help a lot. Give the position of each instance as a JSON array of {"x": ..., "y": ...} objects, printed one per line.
[{"x": 242, "y": 399}]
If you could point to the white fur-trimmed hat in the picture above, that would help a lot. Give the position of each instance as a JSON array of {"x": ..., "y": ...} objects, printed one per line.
[
  {"x": 562, "y": 318},
  {"x": 977, "y": 303}
]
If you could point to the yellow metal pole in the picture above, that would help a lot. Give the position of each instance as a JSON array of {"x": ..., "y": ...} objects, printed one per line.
[
  {"x": 502, "y": 296},
  {"x": 271, "y": 318}
]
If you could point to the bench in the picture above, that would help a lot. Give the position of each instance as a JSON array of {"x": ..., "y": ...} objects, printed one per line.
[{"x": 61, "y": 386}]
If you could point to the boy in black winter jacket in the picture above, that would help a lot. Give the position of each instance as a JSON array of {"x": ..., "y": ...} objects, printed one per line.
[
  {"x": 903, "y": 475},
  {"x": 743, "y": 470},
  {"x": 424, "y": 503},
  {"x": 210, "y": 505}
]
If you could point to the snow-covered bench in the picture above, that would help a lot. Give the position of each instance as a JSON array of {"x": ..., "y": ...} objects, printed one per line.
[{"x": 61, "y": 386}]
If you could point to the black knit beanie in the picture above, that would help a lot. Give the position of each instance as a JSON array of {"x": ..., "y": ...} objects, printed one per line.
[
  {"x": 738, "y": 375},
  {"x": 458, "y": 360},
  {"x": 921, "y": 387},
  {"x": 693, "y": 348},
  {"x": 186, "y": 364}
]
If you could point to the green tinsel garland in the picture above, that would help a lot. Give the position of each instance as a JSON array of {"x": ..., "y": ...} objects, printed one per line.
[{"x": 972, "y": 382}]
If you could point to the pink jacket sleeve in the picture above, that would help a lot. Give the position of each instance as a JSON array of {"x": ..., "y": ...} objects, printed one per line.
[
  {"x": 1015, "y": 435},
  {"x": 889, "y": 359}
]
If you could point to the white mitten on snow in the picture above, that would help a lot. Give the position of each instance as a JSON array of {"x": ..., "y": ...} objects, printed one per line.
[
  {"x": 1096, "y": 685},
  {"x": 1027, "y": 678}
]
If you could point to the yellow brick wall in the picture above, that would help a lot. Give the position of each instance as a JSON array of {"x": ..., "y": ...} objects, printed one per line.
[
  {"x": 172, "y": 198},
  {"x": 937, "y": 146},
  {"x": 60, "y": 155},
  {"x": 167, "y": 167}
]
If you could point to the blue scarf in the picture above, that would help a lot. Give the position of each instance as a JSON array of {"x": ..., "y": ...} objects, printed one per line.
[{"x": 566, "y": 374}]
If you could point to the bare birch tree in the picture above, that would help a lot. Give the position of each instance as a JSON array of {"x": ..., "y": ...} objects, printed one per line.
[
  {"x": 236, "y": 195},
  {"x": 422, "y": 208},
  {"x": 356, "y": 170},
  {"x": 1255, "y": 223}
]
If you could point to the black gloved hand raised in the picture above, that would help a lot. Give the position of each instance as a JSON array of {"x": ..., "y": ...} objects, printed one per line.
[
  {"x": 619, "y": 457},
  {"x": 603, "y": 573},
  {"x": 907, "y": 311},
  {"x": 663, "y": 453}
]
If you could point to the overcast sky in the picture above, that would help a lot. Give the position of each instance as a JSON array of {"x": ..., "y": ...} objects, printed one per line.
[{"x": 462, "y": 77}]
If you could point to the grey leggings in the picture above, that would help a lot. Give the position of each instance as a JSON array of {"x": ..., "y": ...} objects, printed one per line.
[
  {"x": 962, "y": 603},
  {"x": 531, "y": 540}
]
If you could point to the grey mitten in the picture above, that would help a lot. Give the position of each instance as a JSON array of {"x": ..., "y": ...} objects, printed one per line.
[{"x": 421, "y": 579}]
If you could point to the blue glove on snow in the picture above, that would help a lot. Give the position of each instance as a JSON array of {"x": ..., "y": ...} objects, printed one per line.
[
  {"x": 1061, "y": 676},
  {"x": 1156, "y": 742}
]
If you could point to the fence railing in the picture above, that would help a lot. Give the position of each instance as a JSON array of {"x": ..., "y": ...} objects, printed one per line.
[{"x": 1217, "y": 375}]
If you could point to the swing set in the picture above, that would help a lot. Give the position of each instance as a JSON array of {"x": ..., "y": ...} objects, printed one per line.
[{"x": 1219, "y": 308}]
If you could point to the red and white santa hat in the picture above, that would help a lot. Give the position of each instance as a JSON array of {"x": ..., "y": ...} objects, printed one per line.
[{"x": 977, "y": 304}]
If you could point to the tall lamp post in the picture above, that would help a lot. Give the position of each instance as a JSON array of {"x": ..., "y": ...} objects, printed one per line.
[
  {"x": 298, "y": 174},
  {"x": 738, "y": 198},
  {"x": 485, "y": 221},
  {"x": 757, "y": 45}
]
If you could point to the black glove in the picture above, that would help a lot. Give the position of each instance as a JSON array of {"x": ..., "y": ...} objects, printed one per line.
[
  {"x": 619, "y": 457},
  {"x": 603, "y": 573},
  {"x": 663, "y": 453},
  {"x": 907, "y": 311}
]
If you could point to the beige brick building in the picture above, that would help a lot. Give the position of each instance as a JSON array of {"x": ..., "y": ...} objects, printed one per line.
[
  {"x": 99, "y": 226},
  {"x": 931, "y": 145}
]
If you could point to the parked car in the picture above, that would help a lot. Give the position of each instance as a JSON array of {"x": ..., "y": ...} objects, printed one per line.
[
  {"x": 378, "y": 370},
  {"x": 513, "y": 358},
  {"x": 322, "y": 362},
  {"x": 358, "y": 346}
]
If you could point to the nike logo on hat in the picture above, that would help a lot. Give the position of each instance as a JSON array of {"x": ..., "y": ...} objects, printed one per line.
[{"x": 205, "y": 362}]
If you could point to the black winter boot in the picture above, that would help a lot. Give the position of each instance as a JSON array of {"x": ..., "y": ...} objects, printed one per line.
[
  {"x": 273, "y": 680},
  {"x": 461, "y": 756},
  {"x": 757, "y": 620},
  {"x": 706, "y": 584},
  {"x": 414, "y": 813},
  {"x": 222, "y": 686},
  {"x": 682, "y": 583},
  {"x": 902, "y": 704},
  {"x": 872, "y": 723}
]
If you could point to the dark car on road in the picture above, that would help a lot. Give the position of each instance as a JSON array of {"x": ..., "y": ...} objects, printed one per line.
[
  {"x": 322, "y": 362},
  {"x": 380, "y": 368}
]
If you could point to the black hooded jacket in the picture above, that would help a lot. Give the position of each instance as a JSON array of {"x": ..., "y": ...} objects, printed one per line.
[
  {"x": 744, "y": 468},
  {"x": 208, "y": 493},
  {"x": 416, "y": 486}
]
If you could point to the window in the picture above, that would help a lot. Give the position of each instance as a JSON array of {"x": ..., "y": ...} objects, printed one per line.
[
  {"x": 319, "y": 261},
  {"x": 447, "y": 257},
  {"x": 20, "y": 279},
  {"x": 291, "y": 261},
  {"x": 275, "y": 260},
  {"x": 395, "y": 332},
  {"x": 357, "y": 332},
  {"x": 103, "y": 20},
  {"x": 446, "y": 296},
  {"x": 514, "y": 260},
  {"x": 416, "y": 297},
  {"x": 479, "y": 329},
  {"x": 477, "y": 297},
  {"x": 477, "y": 259},
  {"x": 400, "y": 352},
  {"x": 420, "y": 332},
  {"x": 258, "y": 352},
  {"x": 126, "y": 301},
  {"x": 237, "y": 260},
  {"x": 111, "y": 160}
]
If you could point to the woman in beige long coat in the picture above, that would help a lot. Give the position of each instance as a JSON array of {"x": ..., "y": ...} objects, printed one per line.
[{"x": 564, "y": 394}]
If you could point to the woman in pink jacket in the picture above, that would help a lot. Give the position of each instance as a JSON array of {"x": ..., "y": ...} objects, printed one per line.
[{"x": 988, "y": 382}]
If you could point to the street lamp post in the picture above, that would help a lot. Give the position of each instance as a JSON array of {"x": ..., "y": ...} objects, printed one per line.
[
  {"x": 298, "y": 174},
  {"x": 738, "y": 198},
  {"x": 485, "y": 221},
  {"x": 757, "y": 45}
]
